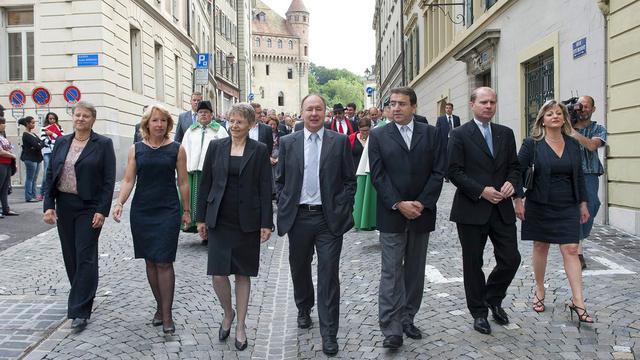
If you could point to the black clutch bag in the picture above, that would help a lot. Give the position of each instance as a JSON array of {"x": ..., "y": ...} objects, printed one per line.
[{"x": 530, "y": 172}]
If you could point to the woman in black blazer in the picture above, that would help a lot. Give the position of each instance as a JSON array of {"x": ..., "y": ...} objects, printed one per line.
[
  {"x": 235, "y": 214},
  {"x": 81, "y": 177},
  {"x": 556, "y": 203},
  {"x": 31, "y": 156}
]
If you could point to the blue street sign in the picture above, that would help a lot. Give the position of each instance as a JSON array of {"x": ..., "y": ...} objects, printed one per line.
[
  {"x": 369, "y": 90},
  {"x": 202, "y": 61},
  {"x": 87, "y": 60},
  {"x": 579, "y": 48},
  {"x": 251, "y": 96}
]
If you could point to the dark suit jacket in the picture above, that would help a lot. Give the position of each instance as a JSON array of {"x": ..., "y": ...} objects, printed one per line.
[
  {"x": 95, "y": 171},
  {"x": 185, "y": 121},
  {"x": 443, "y": 124},
  {"x": 420, "y": 119},
  {"x": 299, "y": 126},
  {"x": 255, "y": 185},
  {"x": 283, "y": 130},
  {"x": 471, "y": 168},
  {"x": 337, "y": 181},
  {"x": 542, "y": 173},
  {"x": 402, "y": 174},
  {"x": 136, "y": 134},
  {"x": 265, "y": 136}
]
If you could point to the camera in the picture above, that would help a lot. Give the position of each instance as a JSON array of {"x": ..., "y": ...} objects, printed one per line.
[{"x": 573, "y": 107}]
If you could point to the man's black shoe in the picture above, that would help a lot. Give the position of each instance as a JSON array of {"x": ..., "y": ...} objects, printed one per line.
[
  {"x": 304, "y": 319},
  {"x": 411, "y": 331},
  {"x": 499, "y": 315},
  {"x": 204, "y": 242},
  {"x": 481, "y": 325},
  {"x": 392, "y": 342},
  {"x": 329, "y": 345},
  {"x": 79, "y": 324}
]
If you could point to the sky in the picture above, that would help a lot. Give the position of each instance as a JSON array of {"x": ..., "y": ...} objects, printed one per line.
[{"x": 340, "y": 34}]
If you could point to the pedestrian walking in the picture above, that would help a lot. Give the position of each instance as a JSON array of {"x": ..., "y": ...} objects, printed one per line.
[
  {"x": 7, "y": 167},
  {"x": 315, "y": 210},
  {"x": 556, "y": 201},
  {"x": 48, "y": 134},
  {"x": 236, "y": 215},
  {"x": 364, "y": 207},
  {"x": 484, "y": 167},
  {"x": 31, "y": 156},
  {"x": 407, "y": 167},
  {"x": 155, "y": 211},
  {"x": 188, "y": 118},
  {"x": 196, "y": 141},
  {"x": 81, "y": 177}
]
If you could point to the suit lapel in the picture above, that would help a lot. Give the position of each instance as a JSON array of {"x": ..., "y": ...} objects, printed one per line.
[
  {"x": 495, "y": 137},
  {"x": 298, "y": 141},
  {"x": 327, "y": 143},
  {"x": 478, "y": 138},
  {"x": 64, "y": 150},
  {"x": 418, "y": 133},
  {"x": 394, "y": 133},
  {"x": 225, "y": 152},
  {"x": 249, "y": 150},
  {"x": 89, "y": 148}
]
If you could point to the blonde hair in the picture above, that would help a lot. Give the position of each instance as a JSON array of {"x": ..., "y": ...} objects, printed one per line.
[
  {"x": 538, "y": 131},
  {"x": 144, "y": 123}
]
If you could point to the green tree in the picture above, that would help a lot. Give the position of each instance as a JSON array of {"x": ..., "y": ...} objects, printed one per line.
[{"x": 336, "y": 85}]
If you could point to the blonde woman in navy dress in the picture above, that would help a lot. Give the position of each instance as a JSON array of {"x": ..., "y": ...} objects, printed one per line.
[
  {"x": 155, "y": 209},
  {"x": 556, "y": 204}
]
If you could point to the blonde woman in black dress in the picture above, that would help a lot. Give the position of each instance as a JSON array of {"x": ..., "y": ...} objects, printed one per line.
[
  {"x": 235, "y": 214},
  {"x": 556, "y": 204}
]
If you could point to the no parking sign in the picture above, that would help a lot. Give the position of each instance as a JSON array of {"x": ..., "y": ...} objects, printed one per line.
[
  {"x": 17, "y": 98},
  {"x": 41, "y": 96},
  {"x": 71, "y": 94}
]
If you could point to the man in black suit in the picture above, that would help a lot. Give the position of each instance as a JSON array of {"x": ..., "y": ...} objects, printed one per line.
[
  {"x": 316, "y": 184},
  {"x": 188, "y": 118},
  {"x": 407, "y": 166},
  {"x": 446, "y": 123},
  {"x": 420, "y": 119},
  {"x": 483, "y": 165},
  {"x": 340, "y": 122}
]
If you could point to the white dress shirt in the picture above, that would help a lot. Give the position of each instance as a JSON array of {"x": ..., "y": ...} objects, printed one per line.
[
  {"x": 254, "y": 132},
  {"x": 304, "y": 198},
  {"x": 410, "y": 126}
]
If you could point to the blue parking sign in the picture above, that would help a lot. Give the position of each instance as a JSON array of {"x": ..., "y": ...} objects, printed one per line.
[{"x": 202, "y": 61}]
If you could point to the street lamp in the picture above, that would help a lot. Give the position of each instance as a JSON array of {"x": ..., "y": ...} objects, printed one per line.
[{"x": 367, "y": 72}]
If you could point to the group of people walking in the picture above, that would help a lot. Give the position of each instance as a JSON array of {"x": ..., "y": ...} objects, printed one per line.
[{"x": 220, "y": 181}]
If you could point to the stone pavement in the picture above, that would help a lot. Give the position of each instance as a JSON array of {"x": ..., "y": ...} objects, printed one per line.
[{"x": 33, "y": 289}]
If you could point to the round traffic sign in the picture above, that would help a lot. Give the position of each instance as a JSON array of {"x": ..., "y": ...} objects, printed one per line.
[
  {"x": 17, "y": 98},
  {"x": 370, "y": 90},
  {"x": 41, "y": 96},
  {"x": 71, "y": 94}
]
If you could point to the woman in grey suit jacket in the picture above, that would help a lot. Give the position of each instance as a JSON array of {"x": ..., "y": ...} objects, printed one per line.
[
  {"x": 235, "y": 214},
  {"x": 81, "y": 177}
]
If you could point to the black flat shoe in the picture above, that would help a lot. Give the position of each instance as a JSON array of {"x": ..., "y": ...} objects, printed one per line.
[
  {"x": 481, "y": 325},
  {"x": 224, "y": 334},
  {"x": 392, "y": 342},
  {"x": 304, "y": 319},
  {"x": 78, "y": 324},
  {"x": 499, "y": 315},
  {"x": 412, "y": 331},
  {"x": 330, "y": 346},
  {"x": 241, "y": 345},
  {"x": 583, "y": 264}
]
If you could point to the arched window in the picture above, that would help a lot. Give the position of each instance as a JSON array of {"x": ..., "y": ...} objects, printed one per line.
[
  {"x": 257, "y": 42},
  {"x": 280, "y": 98},
  {"x": 279, "y": 44},
  {"x": 305, "y": 51},
  {"x": 290, "y": 44},
  {"x": 304, "y": 18},
  {"x": 268, "y": 43}
]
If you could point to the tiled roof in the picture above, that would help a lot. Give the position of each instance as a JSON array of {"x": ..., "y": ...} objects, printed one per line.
[
  {"x": 274, "y": 24},
  {"x": 297, "y": 6}
]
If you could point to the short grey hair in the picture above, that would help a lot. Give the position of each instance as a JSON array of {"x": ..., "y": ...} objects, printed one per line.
[
  {"x": 245, "y": 110},
  {"x": 87, "y": 106}
]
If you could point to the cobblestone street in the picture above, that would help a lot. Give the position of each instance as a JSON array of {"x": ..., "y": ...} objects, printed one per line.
[{"x": 33, "y": 289}]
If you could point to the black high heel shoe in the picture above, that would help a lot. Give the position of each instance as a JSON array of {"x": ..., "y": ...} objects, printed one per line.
[
  {"x": 157, "y": 319},
  {"x": 241, "y": 345},
  {"x": 224, "y": 334},
  {"x": 583, "y": 315},
  {"x": 169, "y": 330}
]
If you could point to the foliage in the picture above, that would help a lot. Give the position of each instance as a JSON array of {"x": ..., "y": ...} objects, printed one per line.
[{"x": 336, "y": 85}]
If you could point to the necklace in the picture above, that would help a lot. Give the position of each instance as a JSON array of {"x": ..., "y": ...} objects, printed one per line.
[
  {"x": 81, "y": 140},
  {"x": 553, "y": 140},
  {"x": 154, "y": 147}
]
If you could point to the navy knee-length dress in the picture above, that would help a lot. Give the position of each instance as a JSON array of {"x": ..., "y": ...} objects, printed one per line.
[{"x": 155, "y": 209}]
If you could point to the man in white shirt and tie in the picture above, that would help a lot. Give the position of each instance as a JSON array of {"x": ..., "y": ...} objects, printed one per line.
[
  {"x": 188, "y": 118},
  {"x": 445, "y": 124}
]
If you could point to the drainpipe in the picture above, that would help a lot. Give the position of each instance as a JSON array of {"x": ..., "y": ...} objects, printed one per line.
[
  {"x": 402, "y": 54},
  {"x": 604, "y": 8}
]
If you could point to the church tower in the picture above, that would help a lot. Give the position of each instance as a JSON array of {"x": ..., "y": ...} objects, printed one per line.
[{"x": 298, "y": 20}]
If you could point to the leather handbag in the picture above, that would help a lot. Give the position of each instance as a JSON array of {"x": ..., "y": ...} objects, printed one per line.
[
  {"x": 14, "y": 167},
  {"x": 530, "y": 172}
]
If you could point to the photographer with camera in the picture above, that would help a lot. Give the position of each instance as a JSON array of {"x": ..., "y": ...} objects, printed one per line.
[{"x": 591, "y": 136}]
